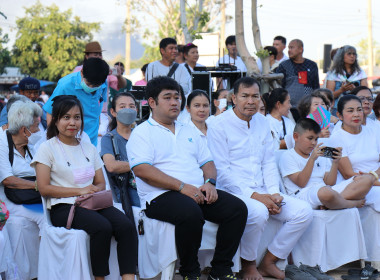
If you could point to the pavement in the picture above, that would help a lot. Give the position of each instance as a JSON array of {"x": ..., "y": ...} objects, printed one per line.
[{"x": 336, "y": 273}]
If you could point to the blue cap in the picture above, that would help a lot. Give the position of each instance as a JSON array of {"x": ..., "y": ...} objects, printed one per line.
[{"x": 29, "y": 83}]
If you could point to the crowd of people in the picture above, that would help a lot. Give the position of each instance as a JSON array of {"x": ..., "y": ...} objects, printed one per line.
[{"x": 199, "y": 156}]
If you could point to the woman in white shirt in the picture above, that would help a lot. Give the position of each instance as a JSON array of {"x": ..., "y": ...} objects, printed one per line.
[
  {"x": 66, "y": 169},
  {"x": 361, "y": 146},
  {"x": 198, "y": 105},
  {"x": 278, "y": 105}
]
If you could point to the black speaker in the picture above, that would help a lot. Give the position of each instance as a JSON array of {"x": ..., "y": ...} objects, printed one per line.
[
  {"x": 201, "y": 80},
  {"x": 326, "y": 57}
]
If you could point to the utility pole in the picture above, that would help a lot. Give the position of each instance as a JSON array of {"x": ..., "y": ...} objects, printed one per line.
[
  {"x": 223, "y": 26},
  {"x": 128, "y": 39},
  {"x": 370, "y": 46}
]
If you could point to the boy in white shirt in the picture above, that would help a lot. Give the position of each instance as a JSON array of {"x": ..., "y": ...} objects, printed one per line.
[{"x": 310, "y": 176}]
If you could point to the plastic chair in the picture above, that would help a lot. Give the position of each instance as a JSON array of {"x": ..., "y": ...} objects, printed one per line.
[{"x": 66, "y": 253}]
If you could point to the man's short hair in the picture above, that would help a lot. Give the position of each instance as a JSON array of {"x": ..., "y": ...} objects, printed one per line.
[
  {"x": 230, "y": 40},
  {"x": 245, "y": 82},
  {"x": 167, "y": 41},
  {"x": 272, "y": 50},
  {"x": 119, "y": 64},
  {"x": 307, "y": 124},
  {"x": 280, "y": 38},
  {"x": 158, "y": 84},
  {"x": 95, "y": 70},
  {"x": 298, "y": 42}
]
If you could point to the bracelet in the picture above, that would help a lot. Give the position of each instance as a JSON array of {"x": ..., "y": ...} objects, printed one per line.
[
  {"x": 35, "y": 186},
  {"x": 181, "y": 186},
  {"x": 374, "y": 174}
]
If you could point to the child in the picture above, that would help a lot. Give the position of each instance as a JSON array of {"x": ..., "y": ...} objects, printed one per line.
[{"x": 311, "y": 177}]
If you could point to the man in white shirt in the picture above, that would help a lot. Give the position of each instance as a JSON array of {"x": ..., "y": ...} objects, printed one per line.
[
  {"x": 175, "y": 178},
  {"x": 231, "y": 58},
  {"x": 279, "y": 42},
  {"x": 242, "y": 147},
  {"x": 168, "y": 67}
]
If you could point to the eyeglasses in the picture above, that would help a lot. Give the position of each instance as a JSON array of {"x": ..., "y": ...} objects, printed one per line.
[{"x": 363, "y": 98}]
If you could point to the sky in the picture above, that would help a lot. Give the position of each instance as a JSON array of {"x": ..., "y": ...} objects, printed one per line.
[{"x": 315, "y": 22}]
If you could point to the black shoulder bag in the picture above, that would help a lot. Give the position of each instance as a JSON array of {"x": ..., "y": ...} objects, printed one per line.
[
  {"x": 121, "y": 181},
  {"x": 21, "y": 196}
]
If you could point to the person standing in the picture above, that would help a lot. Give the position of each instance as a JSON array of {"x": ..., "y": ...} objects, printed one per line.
[{"x": 300, "y": 74}]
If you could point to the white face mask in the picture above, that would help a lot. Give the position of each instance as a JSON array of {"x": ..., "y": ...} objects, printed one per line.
[
  {"x": 34, "y": 137},
  {"x": 222, "y": 103}
]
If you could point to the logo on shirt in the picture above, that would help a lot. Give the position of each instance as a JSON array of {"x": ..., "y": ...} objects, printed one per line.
[{"x": 190, "y": 140}]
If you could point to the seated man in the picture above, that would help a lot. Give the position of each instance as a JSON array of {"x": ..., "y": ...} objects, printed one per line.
[
  {"x": 311, "y": 177},
  {"x": 176, "y": 183},
  {"x": 241, "y": 143}
]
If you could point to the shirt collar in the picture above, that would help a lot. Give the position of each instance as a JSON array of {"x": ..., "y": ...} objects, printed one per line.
[{"x": 153, "y": 122}]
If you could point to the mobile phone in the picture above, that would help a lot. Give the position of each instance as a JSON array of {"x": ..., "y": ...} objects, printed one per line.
[
  {"x": 114, "y": 71},
  {"x": 329, "y": 152}
]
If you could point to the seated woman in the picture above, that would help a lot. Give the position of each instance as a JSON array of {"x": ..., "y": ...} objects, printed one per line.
[
  {"x": 123, "y": 111},
  {"x": 262, "y": 106},
  {"x": 361, "y": 146},
  {"x": 330, "y": 104},
  {"x": 219, "y": 104},
  {"x": 278, "y": 106},
  {"x": 198, "y": 105},
  {"x": 309, "y": 103},
  {"x": 66, "y": 169},
  {"x": 16, "y": 175}
]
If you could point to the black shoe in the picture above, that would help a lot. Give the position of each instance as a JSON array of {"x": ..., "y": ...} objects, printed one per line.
[
  {"x": 191, "y": 278},
  {"x": 224, "y": 277}
]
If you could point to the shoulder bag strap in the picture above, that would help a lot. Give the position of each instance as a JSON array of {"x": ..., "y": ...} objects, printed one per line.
[
  {"x": 10, "y": 146},
  {"x": 172, "y": 70},
  {"x": 115, "y": 148},
  {"x": 188, "y": 68}
]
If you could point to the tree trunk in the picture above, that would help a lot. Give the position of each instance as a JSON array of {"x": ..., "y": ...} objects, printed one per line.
[
  {"x": 185, "y": 30},
  {"x": 249, "y": 61}
]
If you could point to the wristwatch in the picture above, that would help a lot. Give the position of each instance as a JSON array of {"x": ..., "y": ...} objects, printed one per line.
[{"x": 211, "y": 181}]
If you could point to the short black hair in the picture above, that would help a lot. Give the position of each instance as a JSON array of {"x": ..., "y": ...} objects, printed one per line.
[
  {"x": 119, "y": 63},
  {"x": 230, "y": 40},
  {"x": 272, "y": 50},
  {"x": 245, "y": 82},
  {"x": 95, "y": 70},
  {"x": 158, "y": 84},
  {"x": 356, "y": 90},
  {"x": 276, "y": 95},
  {"x": 344, "y": 99},
  {"x": 195, "y": 93},
  {"x": 306, "y": 124},
  {"x": 167, "y": 41},
  {"x": 280, "y": 38},
  {"x": 143, "y": 69}
]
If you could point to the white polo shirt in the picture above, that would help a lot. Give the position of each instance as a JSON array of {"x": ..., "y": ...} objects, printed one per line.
[
  {"x": 180, "y": 155},
  {"x": 244, "y": 157},
  {"x": 203, "y": 137},
  {"x": 21, "y": 165}
]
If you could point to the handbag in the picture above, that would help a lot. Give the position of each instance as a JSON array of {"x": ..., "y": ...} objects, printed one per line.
[
  {"x": 21, "y": 196},
  {"x": 4, "y": 214},
  {"x": 92, "y": 201}
]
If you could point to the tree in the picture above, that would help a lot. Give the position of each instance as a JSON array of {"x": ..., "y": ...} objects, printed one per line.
[
  {"x": 268, "y": 80},
  {"x": 362, "y": 49},
  {"x": 5, "y": 58},
  {"x": 49, "y": 43}
]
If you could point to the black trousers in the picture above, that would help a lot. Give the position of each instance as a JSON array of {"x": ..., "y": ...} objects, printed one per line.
[
  {"x": 188, "y": 217},
  {"x": 101, "y": 225}
]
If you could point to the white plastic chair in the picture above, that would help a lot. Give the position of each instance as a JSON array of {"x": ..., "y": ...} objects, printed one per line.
[
  {"x": 334, "y": 238},
  {"x": 65, "y": 253}
]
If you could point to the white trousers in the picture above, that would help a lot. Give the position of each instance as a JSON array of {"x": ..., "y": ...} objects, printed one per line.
[
  {"x": 373, "y": 198},
  {"x": 296, "y": 216}
]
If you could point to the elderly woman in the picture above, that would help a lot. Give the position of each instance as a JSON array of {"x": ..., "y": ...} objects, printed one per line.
[
  {"x": 345, "y": 73},
  {"x": 18, "y": 179}
]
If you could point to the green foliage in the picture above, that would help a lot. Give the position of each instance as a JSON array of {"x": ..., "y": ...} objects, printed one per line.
[
  {"x": 362, "y": 49},
  {"x": 262, "y": 53},
  {"x": 5, "y": 58},
  {"x": 49, "y": 43}
]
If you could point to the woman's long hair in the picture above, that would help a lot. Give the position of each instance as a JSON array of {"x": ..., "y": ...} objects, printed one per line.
[{"x": 338, "y": 63}]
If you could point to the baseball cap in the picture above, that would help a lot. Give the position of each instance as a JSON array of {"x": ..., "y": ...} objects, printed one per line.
[{"x": 29, "y": 83}]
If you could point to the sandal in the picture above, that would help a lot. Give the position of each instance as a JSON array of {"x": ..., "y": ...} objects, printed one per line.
[{"x": 368, "y": 270}]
